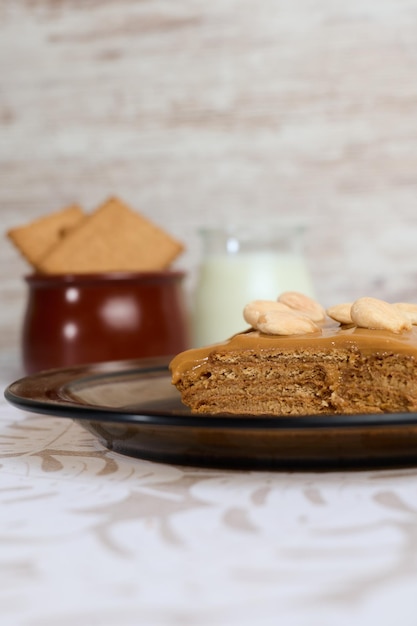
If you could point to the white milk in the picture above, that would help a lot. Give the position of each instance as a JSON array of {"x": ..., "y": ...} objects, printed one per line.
[{"x": 227, "y": 282}]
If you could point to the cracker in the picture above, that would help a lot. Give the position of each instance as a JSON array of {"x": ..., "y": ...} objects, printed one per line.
[
  {"x": 113, "y": 238},
  {"x": 34, "y": 240}
]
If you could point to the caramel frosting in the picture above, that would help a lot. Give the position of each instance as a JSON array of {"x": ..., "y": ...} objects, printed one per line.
[{"x": 330, "y": 336}]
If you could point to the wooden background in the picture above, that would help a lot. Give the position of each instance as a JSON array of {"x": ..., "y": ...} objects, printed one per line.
[{"x": 196, "y": 111}]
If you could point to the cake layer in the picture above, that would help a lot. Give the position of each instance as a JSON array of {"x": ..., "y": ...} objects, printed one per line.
[{"x": 336, "y": 370}]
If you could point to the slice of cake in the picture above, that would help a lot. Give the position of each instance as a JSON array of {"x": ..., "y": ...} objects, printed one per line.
[{"x": 297, "y": 359}]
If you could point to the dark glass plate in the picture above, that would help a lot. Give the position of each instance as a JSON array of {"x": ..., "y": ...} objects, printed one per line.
[{"x": 133, "y": 409}]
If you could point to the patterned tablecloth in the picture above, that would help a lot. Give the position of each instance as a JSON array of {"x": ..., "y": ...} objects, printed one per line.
[{"x": 91, "y": 537}]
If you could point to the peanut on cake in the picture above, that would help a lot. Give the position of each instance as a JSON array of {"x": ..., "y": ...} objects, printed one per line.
[{"x": 299, "y": 359}]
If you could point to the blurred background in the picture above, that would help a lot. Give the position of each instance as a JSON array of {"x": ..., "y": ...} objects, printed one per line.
[{"x": 198, "y": 112}]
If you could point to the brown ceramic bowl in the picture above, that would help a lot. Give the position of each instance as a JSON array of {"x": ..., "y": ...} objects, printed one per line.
[{"x": 89, "y": 318}]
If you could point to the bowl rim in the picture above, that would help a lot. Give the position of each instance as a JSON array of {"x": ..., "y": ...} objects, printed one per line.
[{"x": 37, "y": 278}]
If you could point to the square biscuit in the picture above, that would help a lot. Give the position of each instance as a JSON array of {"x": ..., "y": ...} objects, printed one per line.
[
  {"x": 33, "y": 240},
  {"x": 113, "y": 238}
]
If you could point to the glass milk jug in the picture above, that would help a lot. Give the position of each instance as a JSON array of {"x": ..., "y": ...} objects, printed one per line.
[{"x": 240, "y": 264}]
